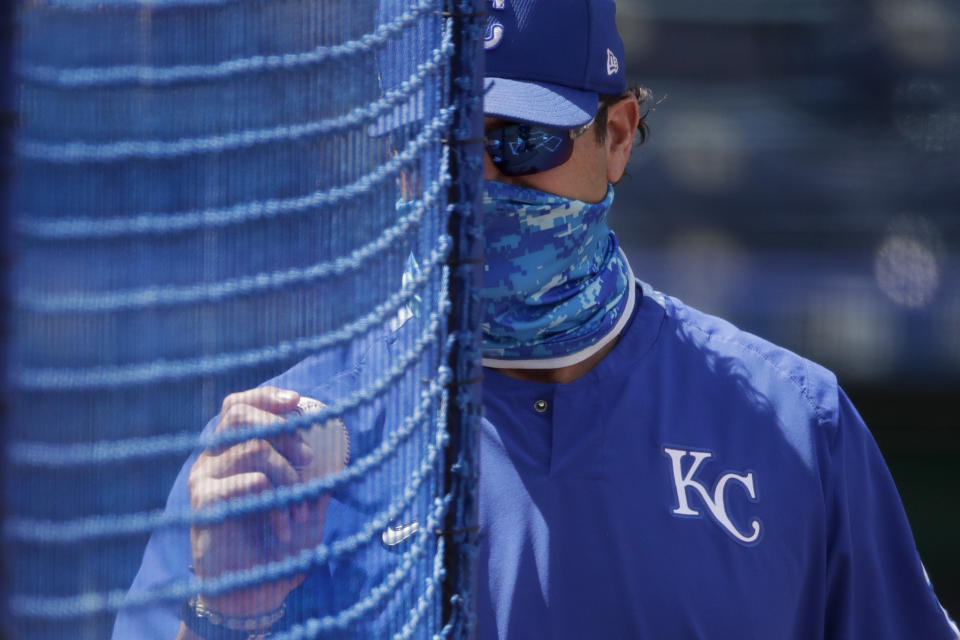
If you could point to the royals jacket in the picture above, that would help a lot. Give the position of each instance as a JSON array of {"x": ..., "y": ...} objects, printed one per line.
[{"x": 698, "y": 483}]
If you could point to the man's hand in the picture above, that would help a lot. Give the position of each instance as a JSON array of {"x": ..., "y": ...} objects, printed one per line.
[{"x": 247, "y": 468}]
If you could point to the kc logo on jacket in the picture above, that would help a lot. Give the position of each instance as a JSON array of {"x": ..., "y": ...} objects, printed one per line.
[{"x": 684, "y": 465}]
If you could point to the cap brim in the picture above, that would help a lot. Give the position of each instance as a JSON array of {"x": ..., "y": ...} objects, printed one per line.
[
  {"x": 538, "y": 102},
  {"x": 523, "y": 101}
]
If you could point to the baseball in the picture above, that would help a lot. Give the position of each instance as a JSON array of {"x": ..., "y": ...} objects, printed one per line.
[{"x": 330, "y": 442}]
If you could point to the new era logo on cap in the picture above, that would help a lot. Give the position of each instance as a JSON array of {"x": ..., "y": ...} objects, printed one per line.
[{"x": 613, "y": 65}]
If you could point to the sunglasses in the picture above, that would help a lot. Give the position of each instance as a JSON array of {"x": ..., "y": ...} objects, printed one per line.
[{"x": 521, "y": 149}]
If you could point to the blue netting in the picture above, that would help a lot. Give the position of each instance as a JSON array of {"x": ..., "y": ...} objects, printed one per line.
[{"x": 211, "y": 194}]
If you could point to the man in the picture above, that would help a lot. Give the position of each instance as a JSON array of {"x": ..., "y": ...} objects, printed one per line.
[{"x": 647, "y": 471}]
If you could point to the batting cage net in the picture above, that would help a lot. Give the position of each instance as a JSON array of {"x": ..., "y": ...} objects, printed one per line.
[{"x": 217, "y": 203}]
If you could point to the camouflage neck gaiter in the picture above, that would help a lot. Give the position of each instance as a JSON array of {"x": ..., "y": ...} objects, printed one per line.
[{"x": 556, "y": 286}]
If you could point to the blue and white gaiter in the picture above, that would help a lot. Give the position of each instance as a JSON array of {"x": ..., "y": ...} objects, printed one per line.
[{"x": 556, "y": 286}]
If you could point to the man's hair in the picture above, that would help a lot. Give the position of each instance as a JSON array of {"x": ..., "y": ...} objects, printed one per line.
[{"x": 641, "y": 94}]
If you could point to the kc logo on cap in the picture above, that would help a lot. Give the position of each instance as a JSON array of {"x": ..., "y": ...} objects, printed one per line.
[{"x": 494, "y": 33}]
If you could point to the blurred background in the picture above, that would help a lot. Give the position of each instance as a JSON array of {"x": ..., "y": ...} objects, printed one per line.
[{"x": 803, "y": 181}]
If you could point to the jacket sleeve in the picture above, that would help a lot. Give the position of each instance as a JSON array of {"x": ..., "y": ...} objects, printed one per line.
[
  {"x": 877, "y": 587},
  {"x": 326, "y": 376},
  {"x": 166, "y": 560}
]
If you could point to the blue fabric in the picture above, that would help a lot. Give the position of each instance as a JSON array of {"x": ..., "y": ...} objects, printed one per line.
[
  {"x": 578, "y": 503},
  {"x": 580, "y": 531},
  {"x": 554, "y": 280}
]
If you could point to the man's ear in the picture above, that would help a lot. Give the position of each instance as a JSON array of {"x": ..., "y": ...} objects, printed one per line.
[{"x": 622, "y": 119}]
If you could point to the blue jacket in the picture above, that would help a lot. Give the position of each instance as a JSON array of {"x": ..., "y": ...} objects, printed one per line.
[{"x": 698, "y": 483}]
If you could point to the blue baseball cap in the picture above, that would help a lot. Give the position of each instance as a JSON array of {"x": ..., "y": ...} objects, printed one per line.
[{"x": 547, "y": 61}]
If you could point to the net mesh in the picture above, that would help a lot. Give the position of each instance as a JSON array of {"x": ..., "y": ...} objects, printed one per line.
[{"x": 211, "y": 194}]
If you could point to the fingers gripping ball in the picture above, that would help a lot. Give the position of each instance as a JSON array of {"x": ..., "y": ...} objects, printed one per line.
[
  {"x": 244, "y": 541},
  {"x": 329, "y": 443}
]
